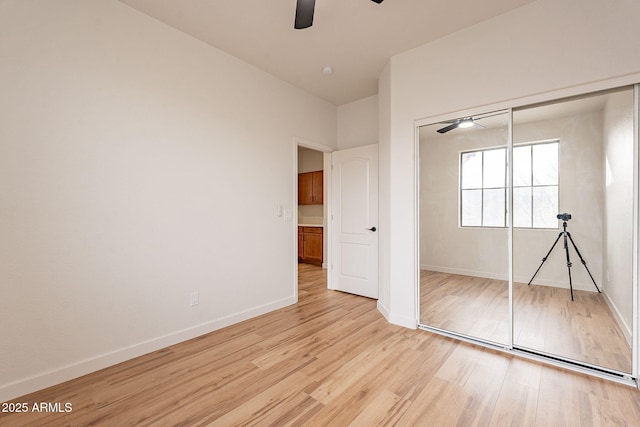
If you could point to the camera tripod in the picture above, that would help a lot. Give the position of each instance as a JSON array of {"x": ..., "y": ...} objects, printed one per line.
[{"x": 566, "y": 234}]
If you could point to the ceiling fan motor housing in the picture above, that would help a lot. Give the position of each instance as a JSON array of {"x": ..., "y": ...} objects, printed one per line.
[{"x": 304, "y": 13}]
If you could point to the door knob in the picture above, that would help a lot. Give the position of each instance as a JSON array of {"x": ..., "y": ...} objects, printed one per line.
[{"x": 372, "y": 229}]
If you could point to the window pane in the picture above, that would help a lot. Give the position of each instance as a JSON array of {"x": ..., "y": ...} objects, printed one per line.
[
  {"x": 545, "y": 207},
  {"x": 472, "y": 170},
  {"x": 471, "y": 208},
  {"x": 535, "y": 192},
  {"x": 545, "y": 164},
  {"x": 522, "y": 207},
  {"x": 494, "y": 169},
  {"x": 522, "y": 166},
  {"x": 493, "y": 210}
]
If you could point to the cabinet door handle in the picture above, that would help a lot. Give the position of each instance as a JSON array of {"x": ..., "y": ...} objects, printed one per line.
[{"x": 372, "y": 229}]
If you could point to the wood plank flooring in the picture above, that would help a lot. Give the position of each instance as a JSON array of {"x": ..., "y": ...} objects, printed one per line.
[
  {"x": 332, "y": 360},
  {"x": 545, "y": 318}
]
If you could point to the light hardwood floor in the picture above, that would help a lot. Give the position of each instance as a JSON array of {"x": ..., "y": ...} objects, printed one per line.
[
  {"x": 332, "y": 360},
  {"x": 545, "y": 318}
]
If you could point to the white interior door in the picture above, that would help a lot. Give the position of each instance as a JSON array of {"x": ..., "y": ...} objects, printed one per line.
[{"x": 354, "y": 207}]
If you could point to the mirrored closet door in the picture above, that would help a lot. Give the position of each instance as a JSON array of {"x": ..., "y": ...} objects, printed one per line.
[
  {"x": 527, "y": 220},
  {"x": 573, "y": 208},
  {"x": 463, "y": 227}
]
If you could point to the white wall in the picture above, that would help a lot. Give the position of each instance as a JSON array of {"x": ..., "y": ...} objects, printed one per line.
[
  {"x": 581, "y": 193},
  {"x": 444, "y": 246},
  {"x": 136, "y": 165},
  {"x": 546, "y": 46},
  {"x": 358, "y": 123},
  {"x": 618, "y": 164}
]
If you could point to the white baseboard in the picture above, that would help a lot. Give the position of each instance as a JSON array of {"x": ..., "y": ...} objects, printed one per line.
[
  {"x": 395, "y": 319},
  {"x": 503, "y": 276},
  {"x": 464, "y": 272},
  {"x": 406, "y": 322},
  {"x": 383, "y": 309},
  {"x": 87, "y": 366},
  {"x": 626, "y": 330}
]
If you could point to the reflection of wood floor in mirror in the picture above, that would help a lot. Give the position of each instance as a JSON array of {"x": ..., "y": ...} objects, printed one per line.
[{"x": 545, "y": 318}]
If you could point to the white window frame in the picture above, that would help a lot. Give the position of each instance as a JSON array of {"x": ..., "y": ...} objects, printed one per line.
[{"x": 482, "y": 188}]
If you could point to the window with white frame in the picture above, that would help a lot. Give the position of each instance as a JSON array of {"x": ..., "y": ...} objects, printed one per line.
[{"x": 483, "y": 186}]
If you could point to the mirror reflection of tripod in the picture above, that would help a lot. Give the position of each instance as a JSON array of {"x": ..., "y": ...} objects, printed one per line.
[{"x": 567, "y": 237}]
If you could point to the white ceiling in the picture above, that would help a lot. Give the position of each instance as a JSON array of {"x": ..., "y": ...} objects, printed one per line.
[{"x": 355, "y": 37}]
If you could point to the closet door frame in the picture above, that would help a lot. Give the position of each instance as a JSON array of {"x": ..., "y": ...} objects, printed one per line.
[{"x": 511, "y": 347}]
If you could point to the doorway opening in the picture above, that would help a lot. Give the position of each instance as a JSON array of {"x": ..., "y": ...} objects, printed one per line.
[{"x": 312, "y": 167}]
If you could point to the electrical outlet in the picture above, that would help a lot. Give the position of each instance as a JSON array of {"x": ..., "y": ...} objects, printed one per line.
[{"x": 194, "y": 299}]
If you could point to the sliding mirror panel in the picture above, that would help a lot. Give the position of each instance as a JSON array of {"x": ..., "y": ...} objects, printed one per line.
[
  {"x": 573, "y": 195},
  {"x": 463, "y": 244}
]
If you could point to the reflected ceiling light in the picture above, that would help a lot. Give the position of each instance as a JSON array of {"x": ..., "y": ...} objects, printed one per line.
[
  {"x": 327, "y": 71},
  {"x": 463, "y": 123},
  {"x": 466, "y": 123}
]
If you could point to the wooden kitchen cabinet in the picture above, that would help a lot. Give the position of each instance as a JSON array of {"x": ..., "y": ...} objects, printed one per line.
[
  {"x": 310, "y": 186},
  {"x": 310, "y": 245}
]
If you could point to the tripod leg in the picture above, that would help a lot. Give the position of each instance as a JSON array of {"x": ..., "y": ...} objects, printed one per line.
[
  {"x": 583, "y": 262},
  {"x": 566, "y": 250},
  {"x": 545, "y": 258}
]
